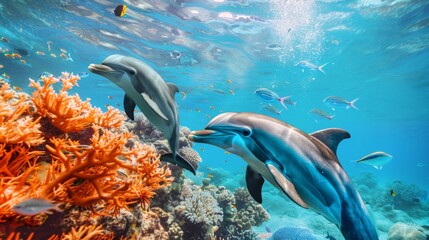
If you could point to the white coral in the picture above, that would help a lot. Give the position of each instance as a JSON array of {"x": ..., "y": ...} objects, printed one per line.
[{"x": 202, "y": 207}]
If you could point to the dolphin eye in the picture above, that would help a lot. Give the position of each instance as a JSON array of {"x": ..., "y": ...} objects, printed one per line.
[
  {"x": 132, "y": 72},
  {"x": 246, "y": 132}
]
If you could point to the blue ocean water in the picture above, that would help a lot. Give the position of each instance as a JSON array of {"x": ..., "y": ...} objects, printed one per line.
[{"x": 376, "y": 51}]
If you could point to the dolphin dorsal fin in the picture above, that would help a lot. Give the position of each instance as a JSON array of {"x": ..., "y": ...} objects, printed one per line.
[
  {"x": 287, "y": 186},
  {"x": 173, "y": 89},
  {"x": 154, "y": 106},
  {"x": 254, "y": 182},
  {"x": 331, "y": 137}
]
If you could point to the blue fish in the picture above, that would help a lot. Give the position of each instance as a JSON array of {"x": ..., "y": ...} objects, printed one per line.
[
  {"x": 83, "y": 74},
  {"x": 268, "y": 95},
  {"x": 310, "y": 66},
  {"x": 334, "y": 102},
  {"x": 44, "y": 74}
]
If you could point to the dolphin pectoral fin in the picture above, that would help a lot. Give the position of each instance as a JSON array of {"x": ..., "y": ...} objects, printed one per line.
[
  {"x": 173, "y": 89},
  {"x": 254, "y": 182},
  {"x": 154, "y": 106},
  {"x": 179, "y": 160},
  {"x": 129, "y": 106},
  {"x": 286, "y": 186},
  {"x": 331, "y": 137}
]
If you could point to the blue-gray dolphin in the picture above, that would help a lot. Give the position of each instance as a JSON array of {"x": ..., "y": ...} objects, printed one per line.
[
  {"x": 145, "y": 88},
  {"x": 304, "y": 167}
]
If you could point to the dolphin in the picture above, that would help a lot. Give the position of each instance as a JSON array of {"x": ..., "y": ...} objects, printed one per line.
[
  {"x": 145, "y": 88},
  {"x": 302, "y": 166}
]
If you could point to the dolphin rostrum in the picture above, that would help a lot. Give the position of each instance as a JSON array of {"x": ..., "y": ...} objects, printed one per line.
[
  {"x": 304, "y": 167},
  {"x": 145, "y": 88}
]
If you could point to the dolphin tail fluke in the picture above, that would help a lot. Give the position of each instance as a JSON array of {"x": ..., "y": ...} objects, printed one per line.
[
  {"x": 129, "y": 106},
  {"x": 352, "y": 104},
  {"x": 282, "y": 101},
  {"x": 356, "y": 223},
  {"x": 178, "y": 160},
  {"x": 320, "y": 68}
]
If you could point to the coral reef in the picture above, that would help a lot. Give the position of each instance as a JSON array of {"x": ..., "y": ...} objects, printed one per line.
[
  {"x": 200, "y": 207},
  {"x": 58, "y": 147},
  {"x": 402, "y": 231},
  {"x": 69, "y": 113},
  {"x": 407, "y": 195},
  {"x": 208, "y": 212},
  {"x": 250, "y": 213},
  {"x": 148, "y": 133},
  {"x": 293, "y": 233},
  {"x": 107, "y": 172}
]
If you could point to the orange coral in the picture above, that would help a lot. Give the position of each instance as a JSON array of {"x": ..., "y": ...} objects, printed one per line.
[
  {"x": 86, "y": 174},
  {"x": 17, "y": 236},
  {"x": 107, "y": 171},
  {"x": 84, "y": 233},
  {"x": 110, "y": 119},
  {"x": 20, "y": 156},
  {"x": 68, "y": 113},
  {"x": 14, "y": 127}
]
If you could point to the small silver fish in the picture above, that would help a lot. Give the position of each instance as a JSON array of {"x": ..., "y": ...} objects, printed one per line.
[
  {"x": 376, "y": 159},
  {"x": 268, "y": 95},
  {"x": 219, "y": 91},
  {"x": 334, "y": 102},
  {"x": 321, "y": 113},
  {"x": 310, "y": 66},
  {"x": 290, "y": 102},
  {"x": 34, "y": 206},
  {"x": 272, "y": 109}
]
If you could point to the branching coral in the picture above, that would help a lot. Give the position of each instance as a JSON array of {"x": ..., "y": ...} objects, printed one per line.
[
  {"x": 97, "y": 166},
  {"x": 16, "y": 128},
  {"x": 105, "y": 170},
  {"x": 85, "y": 232},
  {"x": 69, "y": 113},
  {"x": 13, "y": 158}
]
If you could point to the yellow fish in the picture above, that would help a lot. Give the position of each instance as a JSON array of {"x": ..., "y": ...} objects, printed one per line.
[
  {"x": 392, "y": 193},
  {"x": 120, "y": 10},
  {"x": 53, "y": 55},
  {"x": 210, "y": 175},
  {"x": 227, "y": 153},
  {"x": 184, "y": 95},
  {"x": 232, "y": 92}
]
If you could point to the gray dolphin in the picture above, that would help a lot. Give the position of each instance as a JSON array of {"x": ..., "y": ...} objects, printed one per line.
[
  {"x": 304, "y": 167},
  {"x": 145, "y": 88}
]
